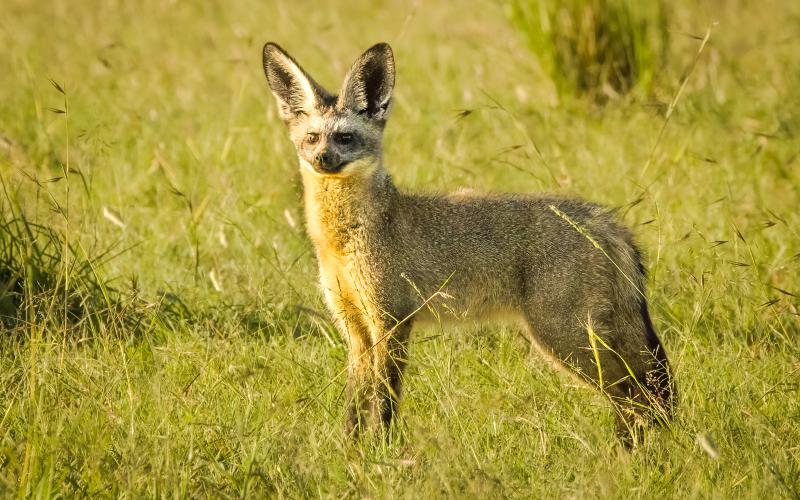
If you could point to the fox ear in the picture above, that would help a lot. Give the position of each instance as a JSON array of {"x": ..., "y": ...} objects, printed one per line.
[
  {"x": 368, "y": 85},
  {"x": 296, "y": 92}
]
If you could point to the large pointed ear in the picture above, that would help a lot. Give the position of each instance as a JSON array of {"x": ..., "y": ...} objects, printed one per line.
[
  {"x": 296, "y": 92},
  {"x": 368, "y": 85}
]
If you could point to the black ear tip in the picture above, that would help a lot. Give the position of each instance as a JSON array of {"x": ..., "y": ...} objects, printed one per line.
[
  {"x": 271, "y": 49},
  {"x": 382, "y": 48}
]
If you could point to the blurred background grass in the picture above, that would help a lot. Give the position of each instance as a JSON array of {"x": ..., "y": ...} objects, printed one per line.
[
  {"x": 163, "y": 330},
  {"x": 596, "y": 47}
]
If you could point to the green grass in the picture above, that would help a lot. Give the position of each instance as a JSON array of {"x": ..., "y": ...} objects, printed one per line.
[
  {"x": 177, "y": 162},
  {"x": 596, "y": 47}
]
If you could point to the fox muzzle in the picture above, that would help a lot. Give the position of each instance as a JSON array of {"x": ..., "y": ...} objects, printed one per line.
[{"x": 328, "y": 162}]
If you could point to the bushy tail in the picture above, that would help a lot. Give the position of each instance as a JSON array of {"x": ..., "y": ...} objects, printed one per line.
[{"x": 658, "y": 380}]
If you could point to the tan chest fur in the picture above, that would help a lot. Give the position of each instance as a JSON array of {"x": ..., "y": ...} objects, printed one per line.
[{"x": 333, "y": 229}]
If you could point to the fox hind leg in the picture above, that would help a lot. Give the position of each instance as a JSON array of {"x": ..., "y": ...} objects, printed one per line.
[{"x": 618, "y": 358}]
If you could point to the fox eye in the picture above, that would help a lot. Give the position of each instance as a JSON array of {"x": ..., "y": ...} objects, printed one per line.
[
  {"x": 343, "y": 138},
  {"x": 312, "y": 137}
]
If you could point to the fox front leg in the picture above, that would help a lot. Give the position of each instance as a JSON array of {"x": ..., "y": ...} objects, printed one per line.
[
  {"x": 390, "y": 359},
  {"x": 360, "y": 393}
]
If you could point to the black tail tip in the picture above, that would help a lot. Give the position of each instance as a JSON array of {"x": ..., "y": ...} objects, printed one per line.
[{"x": 662, "y": 390}]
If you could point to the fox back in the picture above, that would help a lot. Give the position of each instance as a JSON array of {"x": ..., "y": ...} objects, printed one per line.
[{"x": 563, "y": 268}]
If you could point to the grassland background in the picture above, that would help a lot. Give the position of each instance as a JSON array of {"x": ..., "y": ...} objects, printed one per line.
[{"x": 170, "y": 126}]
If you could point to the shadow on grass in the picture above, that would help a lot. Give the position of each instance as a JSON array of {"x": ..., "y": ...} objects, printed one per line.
[{"x": 51, "y": 285}]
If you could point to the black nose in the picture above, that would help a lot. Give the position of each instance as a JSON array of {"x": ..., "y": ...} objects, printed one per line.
[{"x": 326, "y": 160}]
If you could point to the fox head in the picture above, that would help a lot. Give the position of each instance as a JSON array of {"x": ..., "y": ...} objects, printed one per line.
[{"x": 335, "y": 136}]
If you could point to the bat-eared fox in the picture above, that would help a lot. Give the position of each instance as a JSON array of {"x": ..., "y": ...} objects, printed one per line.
[{"x": 565, "y": 269}]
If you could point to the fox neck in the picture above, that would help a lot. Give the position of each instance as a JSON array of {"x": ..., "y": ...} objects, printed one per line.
[{"x": 338, "y": 209}]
